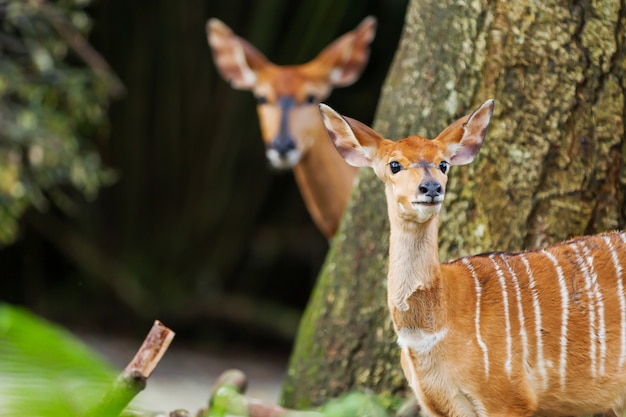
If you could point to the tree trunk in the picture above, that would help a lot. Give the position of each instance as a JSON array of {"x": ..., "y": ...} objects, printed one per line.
[{"x": 551, "y": 167}]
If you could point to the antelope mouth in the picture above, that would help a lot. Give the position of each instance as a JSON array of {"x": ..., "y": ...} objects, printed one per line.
[
  {"x": 283, "y": 161},
  {"x": 434, "y": 203}
]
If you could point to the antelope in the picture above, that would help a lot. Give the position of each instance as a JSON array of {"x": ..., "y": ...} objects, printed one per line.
[
  {"x": 287, "y": 106},
  {"x": 539, "y": 332}
]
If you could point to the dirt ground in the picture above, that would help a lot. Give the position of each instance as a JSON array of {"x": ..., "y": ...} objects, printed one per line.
[{"x": 185, "y": 376}]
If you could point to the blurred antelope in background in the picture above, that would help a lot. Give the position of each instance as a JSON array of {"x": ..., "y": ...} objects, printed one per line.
[
  {"x": 288, "y": 99},
  {"x": 540, "y": 332}
]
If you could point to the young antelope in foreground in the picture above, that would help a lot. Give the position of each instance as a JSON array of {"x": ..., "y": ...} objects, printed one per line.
[{"x": 500, "y": 334}]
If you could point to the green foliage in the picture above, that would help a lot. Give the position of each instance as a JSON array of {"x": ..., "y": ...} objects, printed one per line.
[
  {"x": 354, "y": 404},
  {"x": 51, "y": 108},
  {"x": 228, "y": 399},
  {"x": 44, "y": 370}
]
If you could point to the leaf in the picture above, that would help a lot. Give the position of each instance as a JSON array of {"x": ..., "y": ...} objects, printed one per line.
[
  {"x": 45, "y": 370},
  {"x": 355, "y": 404}
]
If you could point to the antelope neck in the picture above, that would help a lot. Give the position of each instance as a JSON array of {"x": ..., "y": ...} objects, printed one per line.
[
  {"x": 413, "y": 260},
  {"x": 325, "y": 181}
]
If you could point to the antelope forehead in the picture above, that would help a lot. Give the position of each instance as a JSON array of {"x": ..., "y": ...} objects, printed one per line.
[
  {"x": 288, "y": 81},
  {"x": 299, "y": 84},
  {"x": 418, "y": 150},
  {"x": 422, "y": 164}
]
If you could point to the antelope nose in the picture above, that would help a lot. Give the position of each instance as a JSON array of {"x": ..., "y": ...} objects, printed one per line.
[
  {"x": 283, "y": 145},
  {"x": 430, "y": 188}
]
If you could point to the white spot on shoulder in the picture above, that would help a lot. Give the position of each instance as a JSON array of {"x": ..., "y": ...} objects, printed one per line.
[{"x": 419, "y": 341}]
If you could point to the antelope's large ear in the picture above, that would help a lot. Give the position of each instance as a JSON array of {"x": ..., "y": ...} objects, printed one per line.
[
  {"x": 464, "y": 137},
  {"x": 236, "y": 60},
  {"x": 347, "y": 56},
  {"x": 355, "y": 141}
]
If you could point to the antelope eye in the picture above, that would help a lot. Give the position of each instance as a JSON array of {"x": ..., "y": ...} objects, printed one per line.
[
  {"x": 310, "y": 99},
  {"x": 395, "y": 166},
  {"x": 443, "y": 166},
  {"x": 261, "y": 99}
]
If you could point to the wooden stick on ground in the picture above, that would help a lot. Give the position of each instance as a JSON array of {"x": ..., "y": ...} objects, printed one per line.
[{"x": 134, "y": 377}]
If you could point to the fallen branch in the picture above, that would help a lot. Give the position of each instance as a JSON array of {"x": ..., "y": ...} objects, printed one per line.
[{"x": 134, "y": 377}]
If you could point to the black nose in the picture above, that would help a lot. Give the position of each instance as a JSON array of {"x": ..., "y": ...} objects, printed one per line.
[
  {"x": 430, "y": 188},
  {"x": 283, "y": 144}
]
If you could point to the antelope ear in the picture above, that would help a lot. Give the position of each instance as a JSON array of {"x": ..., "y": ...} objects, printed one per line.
[
  {"x": 355, "y": 141},
  {"x": 236, "y": 60},
  {"x": 347, "y": 56},
  {"x": 464, "y": 137}
]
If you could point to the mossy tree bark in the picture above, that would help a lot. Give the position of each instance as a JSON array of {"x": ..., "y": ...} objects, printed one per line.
[{"x": 552, "y": 165}]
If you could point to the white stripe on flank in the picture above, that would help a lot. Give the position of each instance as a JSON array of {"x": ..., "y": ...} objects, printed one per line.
[
  {"x": 564, "y": 316},
  {"x": 479, "y": 339},
  {"x": 520, "y": 311},
  {"x": 599, "y": 300},
  {"x": 622, "y": 300},
  {"x": 507, "y": 320},
  {"x": 591, "y": 308},
  {"x": 533, "y": 290}
]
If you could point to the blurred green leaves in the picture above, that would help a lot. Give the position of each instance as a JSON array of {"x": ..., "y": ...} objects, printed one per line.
[
  {"x": 54, "y": 94},
  {"x": 46, "y": 371}
]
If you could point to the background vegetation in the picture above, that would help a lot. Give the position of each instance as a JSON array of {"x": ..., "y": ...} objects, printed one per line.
[{"x": 189, "y": 225}]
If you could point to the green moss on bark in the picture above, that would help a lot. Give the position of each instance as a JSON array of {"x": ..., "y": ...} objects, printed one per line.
[{"x": 343, "y": 345}]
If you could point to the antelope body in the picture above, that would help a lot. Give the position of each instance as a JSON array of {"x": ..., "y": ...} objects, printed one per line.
[
  {"x": 288, "y": 98},
  {"x": 540, "y": 332}
]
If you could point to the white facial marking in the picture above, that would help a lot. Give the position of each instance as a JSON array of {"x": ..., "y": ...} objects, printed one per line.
[
  {"x": 283, "y": 161},
  {"x": 425, "y": 211}
]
